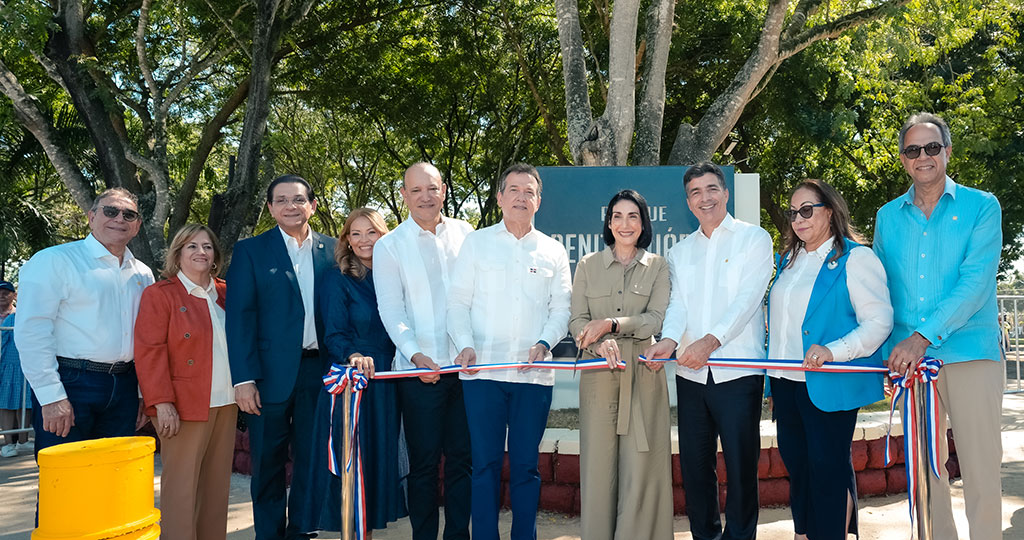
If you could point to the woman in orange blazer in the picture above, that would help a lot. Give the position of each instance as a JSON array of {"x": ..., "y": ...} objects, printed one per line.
[{"x": 182, "y": 362}]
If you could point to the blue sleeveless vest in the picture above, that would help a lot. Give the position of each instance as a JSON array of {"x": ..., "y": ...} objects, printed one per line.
[{"x": 830, "y": 316}]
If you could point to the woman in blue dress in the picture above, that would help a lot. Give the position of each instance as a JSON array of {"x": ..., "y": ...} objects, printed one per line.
[{"x": 354, "y": 335}]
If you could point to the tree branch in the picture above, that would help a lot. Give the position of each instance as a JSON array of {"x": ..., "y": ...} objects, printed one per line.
[
  {"x": 29, "y": 116},
  {"x": 835, "y": 28},
  {"x": 140, "y": 51}
]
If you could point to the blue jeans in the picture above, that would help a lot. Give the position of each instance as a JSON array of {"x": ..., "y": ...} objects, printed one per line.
[
  {"x": 105, "y": 405},
  {"x": 492, "y": 409}
]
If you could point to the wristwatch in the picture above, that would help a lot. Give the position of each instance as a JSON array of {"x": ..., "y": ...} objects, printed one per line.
[{"x": 615, "y": 326}]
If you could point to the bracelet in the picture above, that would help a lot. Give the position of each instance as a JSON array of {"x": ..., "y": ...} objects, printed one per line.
[{"x": 615, "y": 326}]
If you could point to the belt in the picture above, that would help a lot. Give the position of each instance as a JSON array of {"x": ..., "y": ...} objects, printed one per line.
[
  {"x": 310, "y": 353},
  {"x": 115, "y": 368}
]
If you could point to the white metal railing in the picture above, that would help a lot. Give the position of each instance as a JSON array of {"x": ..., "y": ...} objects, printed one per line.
[
  {"x": 23, "y": 410},
  {"x": 1011, "y": 322}
]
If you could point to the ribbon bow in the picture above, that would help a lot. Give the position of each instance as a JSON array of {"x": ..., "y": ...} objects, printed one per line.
[
  {"x": 335, "y": 382},
  {"x": 927, "y": 372}
]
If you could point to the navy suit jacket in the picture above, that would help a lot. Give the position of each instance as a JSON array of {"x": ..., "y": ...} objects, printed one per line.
[{"x": 265, "y": 313}]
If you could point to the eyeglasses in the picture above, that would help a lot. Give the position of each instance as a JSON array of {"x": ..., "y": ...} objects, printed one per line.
[
  {"x": 297, "y": 201},
  {"x": 805, "y": 211},
  {"x": 112, "y": 212},
  {"x": 914, "y": 151}
]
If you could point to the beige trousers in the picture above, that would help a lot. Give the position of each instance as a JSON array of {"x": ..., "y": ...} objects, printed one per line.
[
  {"x": 196, "y": 478},
  {"x": 626, "y": 479},
  {"x": 971, "y": 394}
]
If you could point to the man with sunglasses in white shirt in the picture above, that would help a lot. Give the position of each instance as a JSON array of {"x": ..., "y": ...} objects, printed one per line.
[{"x": 74, "y": 330}]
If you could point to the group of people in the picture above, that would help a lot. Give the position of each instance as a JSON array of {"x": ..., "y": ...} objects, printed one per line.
[{"x": 94, "y": 330}]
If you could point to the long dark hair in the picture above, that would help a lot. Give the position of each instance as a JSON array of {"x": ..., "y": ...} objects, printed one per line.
[
  {"x": 646, "y": 230},
  {"x": 839, "y": 225}
]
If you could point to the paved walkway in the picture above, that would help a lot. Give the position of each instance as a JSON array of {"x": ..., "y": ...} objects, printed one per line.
[{"x": 882, "y": 518}]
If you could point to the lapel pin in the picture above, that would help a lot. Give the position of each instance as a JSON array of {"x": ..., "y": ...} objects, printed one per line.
[
  {"x": 321, "y": 246},
  {"x": 954, "y": 218},
  {"x": 832, "y": 265}
]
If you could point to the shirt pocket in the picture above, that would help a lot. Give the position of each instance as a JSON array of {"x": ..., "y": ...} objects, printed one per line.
[
  {"x": 491, "y": 277},
  {"x": 537, "y": 282}
]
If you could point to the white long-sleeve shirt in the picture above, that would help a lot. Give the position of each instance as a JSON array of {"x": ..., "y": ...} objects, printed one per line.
[
  {"x": 302, "y": 263},
  {"x": 507, "y": 294},
  {"x": 718, "y": 287},
  {"x": 411, "y": 275},
  {"x": 77, "y": 301},
  {"x": 869, "y": 294},
  {"x": 221, "y": 391}
]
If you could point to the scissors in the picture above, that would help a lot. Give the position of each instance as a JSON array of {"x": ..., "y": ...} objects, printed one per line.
[{"x": 579, "y": 355}]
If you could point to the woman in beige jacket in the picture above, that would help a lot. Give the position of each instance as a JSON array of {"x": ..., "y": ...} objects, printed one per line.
[{"x": 619, "y": 297}]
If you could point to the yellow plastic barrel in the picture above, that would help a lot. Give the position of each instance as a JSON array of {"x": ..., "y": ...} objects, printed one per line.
[{"x": 98, "y": 490}]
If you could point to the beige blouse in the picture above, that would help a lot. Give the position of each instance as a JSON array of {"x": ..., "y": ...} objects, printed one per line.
[{"x": 636, "y": 295}]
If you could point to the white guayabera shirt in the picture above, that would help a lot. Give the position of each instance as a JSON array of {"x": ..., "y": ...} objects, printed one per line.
[
  {"x": 506, "y": 295},
  {"x": 718, "y": 286}
]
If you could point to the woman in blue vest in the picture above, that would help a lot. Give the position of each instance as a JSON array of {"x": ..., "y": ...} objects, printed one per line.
[{"x": 829, "y": 304}]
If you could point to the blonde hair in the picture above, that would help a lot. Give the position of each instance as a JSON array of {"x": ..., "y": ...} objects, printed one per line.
[
  {"x": 348, "y": 262},
  {"x": 172, "y": 263}
]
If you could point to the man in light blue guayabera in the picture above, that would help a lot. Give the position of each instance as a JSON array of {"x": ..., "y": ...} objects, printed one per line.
[{"x": 940, "y": 244}]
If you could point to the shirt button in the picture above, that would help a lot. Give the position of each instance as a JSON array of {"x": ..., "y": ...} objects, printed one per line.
[
  {"x": 922, "y": 319},
  {"x": 922, "y": 276},
  {"x": 190, "y": 362},
  {"x": 187, "y": 335},
  {"x": 926, "y": 233},
  {"x": 922, "y": 255},
  {"x": 922, "y": 299}
]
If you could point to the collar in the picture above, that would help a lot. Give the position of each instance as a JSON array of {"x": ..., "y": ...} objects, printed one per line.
[
  {"x": 291, "y": 241},
  {"x": 728, "y": 223},
  {"x": 504, "y": 229},
  {"x": 823, "y": 250},
  {"x": 98, "y": 250},
  {"x": 197, "y": 290},
  {"x": 948, "y": 189},
  {"x": 642, "y": 257},
  {"x": 420, "y": 231}
]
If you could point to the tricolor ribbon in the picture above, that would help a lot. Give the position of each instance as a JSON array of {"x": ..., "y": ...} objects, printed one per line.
[
  {"x": 785, "y": 365},
  {"x": 335, "y": 382},
  {"x": 582, "y": 365},
  {"x": 927, "y": 372}
]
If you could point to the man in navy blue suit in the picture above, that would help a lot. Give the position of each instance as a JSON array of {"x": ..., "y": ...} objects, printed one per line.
[{"x": 274, "y": 333}]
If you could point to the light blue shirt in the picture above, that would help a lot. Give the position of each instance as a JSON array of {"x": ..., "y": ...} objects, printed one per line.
[{"x": 942, "y": 271}]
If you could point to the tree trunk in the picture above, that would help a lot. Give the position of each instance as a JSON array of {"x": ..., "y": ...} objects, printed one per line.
[
  {"x": 242, "y": 197},
  {"x": 651, "y": 111}
]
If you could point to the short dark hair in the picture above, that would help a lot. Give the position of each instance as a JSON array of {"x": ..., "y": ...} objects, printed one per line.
[
  {"x": 523, "y": 168},
  {"x": 926, "y": 118},
  {"x": 646, "y": 231},
  {"x": 114, "y": 192},
  {"x": 289, "y": 179},
  {"x": 701, "y": 169}
]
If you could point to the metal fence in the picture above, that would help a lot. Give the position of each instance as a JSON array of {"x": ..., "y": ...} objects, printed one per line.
[
  {"x": 23, "y": 413},
  {"x": 1011, "y": 321}
]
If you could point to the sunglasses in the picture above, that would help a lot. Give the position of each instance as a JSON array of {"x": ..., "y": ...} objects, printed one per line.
[
  {"x": 112, "y": 212},
  {"x": 805, "y": 211},
  {"x": 932, "y": 149}
]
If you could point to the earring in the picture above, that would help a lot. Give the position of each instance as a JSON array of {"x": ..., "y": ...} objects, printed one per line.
[{"x": 213, "y": 267}]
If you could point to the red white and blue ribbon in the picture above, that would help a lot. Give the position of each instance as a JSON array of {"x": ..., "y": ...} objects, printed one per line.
[
  {"x": 335, "y": 382},
  {"x": 785, "y": 365},
  {"x": 927, "y": 372},
  {"x": 560, "y": 365}
]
